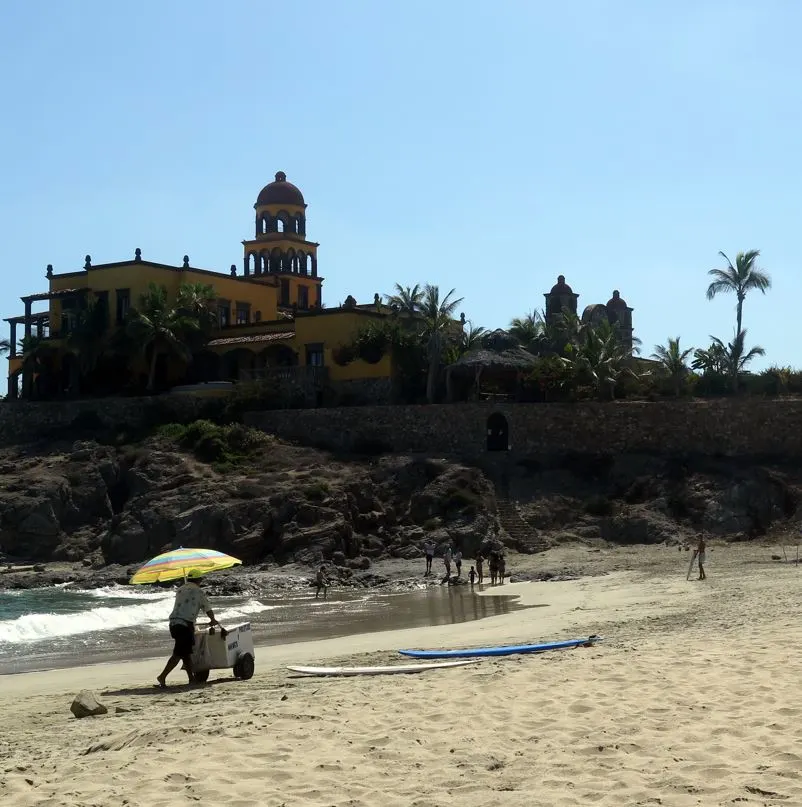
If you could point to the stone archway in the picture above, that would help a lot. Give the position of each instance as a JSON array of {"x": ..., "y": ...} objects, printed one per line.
[{"x": 498, "y": 433}]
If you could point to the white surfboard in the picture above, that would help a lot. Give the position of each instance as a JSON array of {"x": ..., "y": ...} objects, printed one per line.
[{"x": 389, "y": 670}]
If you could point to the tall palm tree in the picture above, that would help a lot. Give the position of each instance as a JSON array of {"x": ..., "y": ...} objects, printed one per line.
[
  {"x": 158, "y": 327},
  {"x": 673, "y": 362},
  {"x": 437, "y": 325},
  {"x": 735, "y": 355},
  {"x": 740, "y": 279},
  {"x": 407, "y": 299}
]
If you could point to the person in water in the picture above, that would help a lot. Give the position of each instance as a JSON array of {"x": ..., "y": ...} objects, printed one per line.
[
  {"x": 189, "y": 600},
  {"x": 480, "y": 568},
  {"x": 458, "y": 562},
  {"x": 700, "y": 557},
  {"x": 502, "y": 568},
  {"x": 472, "y": 574}
]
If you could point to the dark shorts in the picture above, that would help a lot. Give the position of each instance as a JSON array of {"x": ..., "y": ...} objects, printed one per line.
[{"x": 184, "y": 636}]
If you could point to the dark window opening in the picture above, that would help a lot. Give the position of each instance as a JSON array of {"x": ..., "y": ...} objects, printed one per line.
[
  {"x": 123, "y": 304},
  {"x": 303, "y": 297},
  {"x": 285, "y": 292},
  {"x": 314, "y": 355},
  {"x": 243, "y": 313},
  {"x": 223, "y": 313}
]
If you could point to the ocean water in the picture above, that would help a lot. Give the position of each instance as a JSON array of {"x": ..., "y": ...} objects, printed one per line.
[{"x": 63, "y": 626}]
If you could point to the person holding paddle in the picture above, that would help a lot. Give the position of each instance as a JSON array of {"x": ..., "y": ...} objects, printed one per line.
[{"x": 700, "y": 558}]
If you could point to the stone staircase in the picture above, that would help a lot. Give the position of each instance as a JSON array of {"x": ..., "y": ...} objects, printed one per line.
[{"x": 524, "y": 537}]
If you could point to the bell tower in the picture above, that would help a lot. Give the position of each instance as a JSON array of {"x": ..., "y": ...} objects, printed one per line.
[{"x": 280, "y": 249}]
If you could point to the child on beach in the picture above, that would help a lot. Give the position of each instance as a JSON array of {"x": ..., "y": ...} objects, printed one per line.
[
  {"x": 472, "y": 574},
  {"x": 321, "y": 583},
  {"x": 480, "y": 568}
]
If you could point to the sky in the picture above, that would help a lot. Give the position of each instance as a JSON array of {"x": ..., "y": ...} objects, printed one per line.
[{"x": 485, "y": 147}]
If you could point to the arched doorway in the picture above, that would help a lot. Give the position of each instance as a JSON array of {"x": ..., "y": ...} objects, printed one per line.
[{"x": 498, "y": 433}]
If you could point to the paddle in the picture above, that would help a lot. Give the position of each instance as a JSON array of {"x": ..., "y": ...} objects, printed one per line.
[{"x": 690, "y": 567}]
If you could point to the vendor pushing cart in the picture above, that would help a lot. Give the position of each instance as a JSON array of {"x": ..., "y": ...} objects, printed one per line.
[{"x": 199, "y": 651}]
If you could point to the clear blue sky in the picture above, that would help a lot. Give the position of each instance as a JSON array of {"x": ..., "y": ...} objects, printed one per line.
[{"x": 477, "y": 145}]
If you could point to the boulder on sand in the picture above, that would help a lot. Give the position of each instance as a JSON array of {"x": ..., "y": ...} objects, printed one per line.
[{"x": 86, "y": 704}]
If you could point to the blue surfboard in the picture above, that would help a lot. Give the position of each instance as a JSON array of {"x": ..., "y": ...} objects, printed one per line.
[{"x": 505, "y": 650}]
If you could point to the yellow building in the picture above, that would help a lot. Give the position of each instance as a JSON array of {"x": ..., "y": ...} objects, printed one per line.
[{"x": 270, "y": 315}]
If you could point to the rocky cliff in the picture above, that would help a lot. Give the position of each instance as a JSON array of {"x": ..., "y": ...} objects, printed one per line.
[
  {"x": 99, "y": 504},
  {"x": 102, "y": 504}
]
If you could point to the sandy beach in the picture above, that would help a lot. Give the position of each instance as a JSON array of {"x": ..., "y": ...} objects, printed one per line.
[{"x": 692, "y": 699}]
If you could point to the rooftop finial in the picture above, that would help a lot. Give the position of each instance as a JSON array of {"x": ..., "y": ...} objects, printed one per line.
[
  {"x": 233, "y": 270},
  {"x": 186, "y": 261},
  {"x": 137, "y": 254},
  {"x": 281, "y": 176},
  {"x": 49, "y": 272},
  {"x": 88, "y": 262}
]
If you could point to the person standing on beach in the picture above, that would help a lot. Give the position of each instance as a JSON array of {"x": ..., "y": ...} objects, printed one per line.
[
  {"x": 321, "y": 584},
  {"x": 189, "y": 600},
  {"x": 458, "y": 562},
  {"x": 472, "y": 575},
  {"x": 428, "y": 549},
  {"x": 492, "y": 564},
  {"x": 447, "y": 561},
  {"x": 700, "y": 557},
  {"x": 480, "y": 568},
  {"x": 502, "y": 568}
]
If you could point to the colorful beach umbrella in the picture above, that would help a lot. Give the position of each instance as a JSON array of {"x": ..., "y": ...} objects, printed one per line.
[{"x": 178, "y": 563}]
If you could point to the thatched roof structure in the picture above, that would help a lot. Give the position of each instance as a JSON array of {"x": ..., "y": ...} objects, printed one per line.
[{"x": 514, "y": 359}]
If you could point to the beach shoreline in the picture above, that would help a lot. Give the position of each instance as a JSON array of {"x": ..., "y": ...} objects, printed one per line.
[{"x": 690, "y": 699}]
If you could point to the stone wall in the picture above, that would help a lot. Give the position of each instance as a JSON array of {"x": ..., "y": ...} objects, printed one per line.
[
  {"x": 23, "y": 421},
  {"x": 742, "y": 427}
]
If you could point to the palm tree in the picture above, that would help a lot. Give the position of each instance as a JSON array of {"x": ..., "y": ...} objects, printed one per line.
[
  {"x": 85, "y": 339},
  {"x": 673, "y": 361},
  {"x": 472, "y": 337},
  {"x": 600, "y": 357},
  {"x": 710, "y": 361},
  {"x": 528, "y": 329},
  {"x": 156, "y": 326},
  {"x": 437, "y": 321},
  {"x": 741, "y": 279},
  {"x": 37, "y": 355},
  {"x": 406, "y": 299},
  {"x": 735, "y": 355},
  {"x": 199, "y": 301}
]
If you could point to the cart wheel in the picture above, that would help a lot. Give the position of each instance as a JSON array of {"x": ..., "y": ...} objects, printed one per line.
[
  {"x": 201, "y": 677},
  {"x": 237, "y": 670},
  {"x": 246, "y": 667}
]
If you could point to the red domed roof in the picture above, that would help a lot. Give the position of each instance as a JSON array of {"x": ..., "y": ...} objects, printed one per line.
[{"x": 280, "y": 192}]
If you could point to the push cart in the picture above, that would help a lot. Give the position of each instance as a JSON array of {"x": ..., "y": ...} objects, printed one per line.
[{"x": 223, "y": 649}]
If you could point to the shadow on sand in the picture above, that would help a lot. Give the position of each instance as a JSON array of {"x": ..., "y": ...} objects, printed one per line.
[{"x": 176, "y": 689}]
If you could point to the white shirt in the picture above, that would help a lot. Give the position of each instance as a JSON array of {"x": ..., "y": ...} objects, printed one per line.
[
  {"x": 458, "y": 557},
  {"x": 189, "y": 600}
]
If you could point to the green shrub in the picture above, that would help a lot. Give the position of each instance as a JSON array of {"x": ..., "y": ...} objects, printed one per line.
[
  {"x": 317, "y": 492},
  {"x": 208, "y": 442}
]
